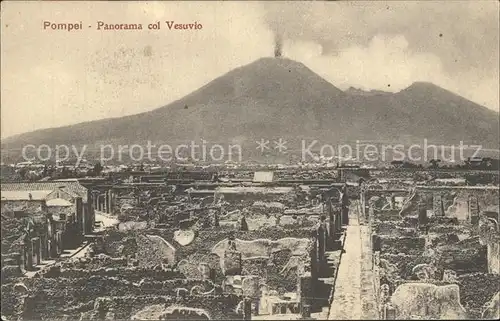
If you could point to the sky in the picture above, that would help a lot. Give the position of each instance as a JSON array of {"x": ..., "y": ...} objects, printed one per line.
[{"x": 52, "y": 78}]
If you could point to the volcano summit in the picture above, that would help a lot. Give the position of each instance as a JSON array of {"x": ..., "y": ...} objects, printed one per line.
[{"x": 282, "y": 98}]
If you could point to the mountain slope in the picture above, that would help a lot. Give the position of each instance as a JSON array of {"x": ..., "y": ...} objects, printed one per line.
[{"x": 272, "y": 98}]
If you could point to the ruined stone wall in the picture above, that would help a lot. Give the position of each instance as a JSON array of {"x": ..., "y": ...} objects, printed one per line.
[
  {"x": 200, "y": 251},
  {"x": 387, "y": 215},
  {"x": 25, "y": 206},
  {"x": 46, "y": 307},
  {"x": 62, "y": 294},
  {"x": 153, "y": 250},
  {"x": 113, "y": 284},
  {"x": 476, "y": 289},
  {"x": 257, "y": 221},
  {"x": 58, "y": 210},
  {"x": 444, "y": 249},
  {"x": 393, "y": 228},
  {"x": 119, "y": 202},
  {"x": 93, "y": 263},
  {"x": 12, "y": 233},
  {"x": 120, "y": 243},
  {"x": 430, "y": 301},
  {"x": 457, "y": 202},
  {"x": 403, "y": 265},
  {"x": 489, "y": 235},
  {"x": 206, "y": 239},
  {"x": 461, "y": 258},
  {"x": 407, "y": 245},
  {"x": 219, "y": 307},
  {"x": 272, "y": 274},
  {"x": 10, "y": 299},
  {"x": 493, "y": 258},
  {"x": 133, "y": 274}
]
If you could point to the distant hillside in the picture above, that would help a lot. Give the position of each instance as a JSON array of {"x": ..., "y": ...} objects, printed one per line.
[{"x": 272, "y": 98}]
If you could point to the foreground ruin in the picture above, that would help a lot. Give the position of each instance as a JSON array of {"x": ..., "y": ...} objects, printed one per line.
[{"x": 280, "y": 245}]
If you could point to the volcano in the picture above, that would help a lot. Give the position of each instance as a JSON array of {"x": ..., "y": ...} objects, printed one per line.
[{"x": 275, "y": 98}]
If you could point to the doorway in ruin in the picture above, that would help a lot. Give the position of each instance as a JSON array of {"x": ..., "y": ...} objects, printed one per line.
[{"x": 36, "y": 252}]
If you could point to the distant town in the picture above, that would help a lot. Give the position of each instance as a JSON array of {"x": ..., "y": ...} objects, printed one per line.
[{"x": 46, "y": 171}]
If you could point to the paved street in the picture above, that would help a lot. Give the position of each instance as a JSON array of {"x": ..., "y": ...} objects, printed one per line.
[{"x": 353, "y": 298}]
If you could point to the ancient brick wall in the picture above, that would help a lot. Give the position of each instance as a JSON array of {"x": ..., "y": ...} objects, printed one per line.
[
  {"x": 456, "y": 203},
  {"x": 25, "y": 206},
  {"x": 476, "y": 289},
  {"x": 219, "y": 307},
  {"x": 393, "y": 228},
  {"x": 407, "y": 245},
  {"x": 153, "y": 250}
]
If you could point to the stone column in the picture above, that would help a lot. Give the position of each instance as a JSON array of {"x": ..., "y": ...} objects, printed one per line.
[
  {"x": 376, "y": 243},
  {"x": 251, "y": 290},
  {"x": 106, "y": 202},
  {"x": 306, "y": 311},
  {"x": 99, "y": 202},
  {"x": 305, "y": 289},
  {"x": 362, "y": 201},
  {"x": 216, "y": 217},
  {"x": 393, "y": 201},
  {"x": 345, "y": 206},
  {"x": 314, "y": 259},
  {"x": 28, "y": 255},
  {"x": 338, "y": 222},
  {"x": 473, "y": 209},
  {"x": 437, "y": 203},
  {"x": 110, "y": 201},
  {"x": 232, "y": 263},
  {"x": 389, "y": 312},
  {"x": 422, "y": 216},
  {"x": 375, "y": 266},
  {"x": 493, "y": 257},
  {"x": 113, "y": 199},
  {"x": 19, "y": 260},
  {"x": 345, "y": 216},
  {"x": 321, "y": 243},
  {"x": 250, "y": 286},
  {"x": 95, "y": 199},
  {"x": 331, "y": 226},
  {"x": 489, "y": 235},
  {"x": 247, "y": 309}
]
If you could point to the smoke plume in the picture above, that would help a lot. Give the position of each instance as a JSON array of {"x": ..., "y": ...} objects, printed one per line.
[
  {"x": 374, "y": 44},
  {"x": 278, "y": 45}
]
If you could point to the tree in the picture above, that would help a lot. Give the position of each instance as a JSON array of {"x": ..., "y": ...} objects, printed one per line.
[
  {"x": 22, "y": 172},
  {"x": 467, "y": 163},
  {"x": 434, "y": 163},
  {"x": 97, "y": 169},
  {"x": 65, "y": 173},
  {"x": 397, "y": 164}
]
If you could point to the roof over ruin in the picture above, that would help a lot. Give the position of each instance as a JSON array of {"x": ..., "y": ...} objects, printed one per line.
[
  {"x": 72, "y": 187},
  {"x": 25, "y": 195}
]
